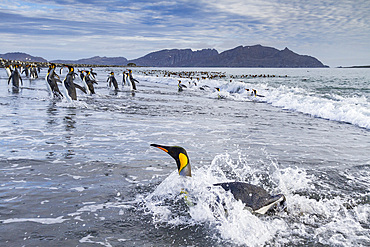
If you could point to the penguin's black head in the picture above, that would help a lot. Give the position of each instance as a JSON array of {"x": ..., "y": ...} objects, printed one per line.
[
  {"x": 254, "y": 92},
  {"x": 70, "y": 68},
  {"x": 180, "y": 156}
]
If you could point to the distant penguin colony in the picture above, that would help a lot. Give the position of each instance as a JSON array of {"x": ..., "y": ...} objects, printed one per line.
[{"x": 194, "y": 78}]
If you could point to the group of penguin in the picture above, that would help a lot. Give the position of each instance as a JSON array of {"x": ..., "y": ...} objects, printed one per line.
[
  {"x": 68, "y": 86},
  {"x": 126, "y": 79},
  {"x": 254, "y": 198},
  {"x": 181, "y": 87},
  {"x": 14, "y": 75},
  {"x": 88, "y": 77}
]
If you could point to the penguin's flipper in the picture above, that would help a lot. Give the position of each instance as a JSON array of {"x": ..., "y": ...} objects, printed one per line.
[
  {"x": 81, "y": 88},
  {"x": 273, "y": 204}
]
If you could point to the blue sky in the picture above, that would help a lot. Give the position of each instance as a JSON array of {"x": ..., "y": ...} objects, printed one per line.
[{"x": 337, "y": 32}]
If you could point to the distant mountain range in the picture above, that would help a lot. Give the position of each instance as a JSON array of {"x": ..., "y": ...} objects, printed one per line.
[
  {"x": 22, "y": 57},
  {"x": 241, "y": 56}
]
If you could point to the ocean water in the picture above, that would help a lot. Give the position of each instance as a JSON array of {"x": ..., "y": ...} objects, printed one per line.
[{"x": 83, "y": 173}]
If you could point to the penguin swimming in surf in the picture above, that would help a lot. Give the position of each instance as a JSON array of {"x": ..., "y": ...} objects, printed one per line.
[
  {"x": 253, "y": 92},
  {"x": 69, "y": 86},
  {"x": 219, "y": 96},
  {"x": 254, "y": 197},
  {"x": 112, "y": 81},
  {"x": 52, "y": 80},
  {"x": 15, "y": 78},
  {"x": 181, "y": 86},
  {"x": 204, "y": 87}
]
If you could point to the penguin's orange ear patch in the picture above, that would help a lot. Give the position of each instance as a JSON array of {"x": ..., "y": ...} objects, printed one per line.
[{"x": 183, "y": 161}]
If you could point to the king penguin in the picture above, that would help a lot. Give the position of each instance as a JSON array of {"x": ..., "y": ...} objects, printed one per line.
[
  {"x": 112, "y": 81},
  {"x": 124, "y": 78},
  {"x": 33, "y": 72},
  {"x": 15, "y": 78},
  {"x": 255, "y": 198},
  {"x": 131, "y": 80},
  {"x": 181, "y": 86},
  {"x": 52, "y": 80},
  {"x": 9, "y": 70},
  {"x": 88, "y": 82},
  {"x": 69, "y": 86}
]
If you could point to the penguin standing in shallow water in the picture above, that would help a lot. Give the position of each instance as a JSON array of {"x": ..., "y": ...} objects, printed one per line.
[
  {"x": 131, "y": 80},
  {"x": 254, "y": 197},
  {"x": 52, "y": 80},
  {"x": 112, "y": 81},
  {"x": 124, "y": 79},
  {"x": 33, "y": 72},
  {"x": 89, "y": 83},
  {"x": 15, "y": 78},
  {"x": 25, "y": 69},
  {"x": 69, "y": 86},
  {"x": 93, "y": 74}
]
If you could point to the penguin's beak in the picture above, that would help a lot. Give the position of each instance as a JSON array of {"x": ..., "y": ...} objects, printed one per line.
[{"x": 160, "y": 147}]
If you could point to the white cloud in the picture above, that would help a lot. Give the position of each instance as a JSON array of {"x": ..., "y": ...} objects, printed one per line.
[{"x": 134, "y": 28}]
